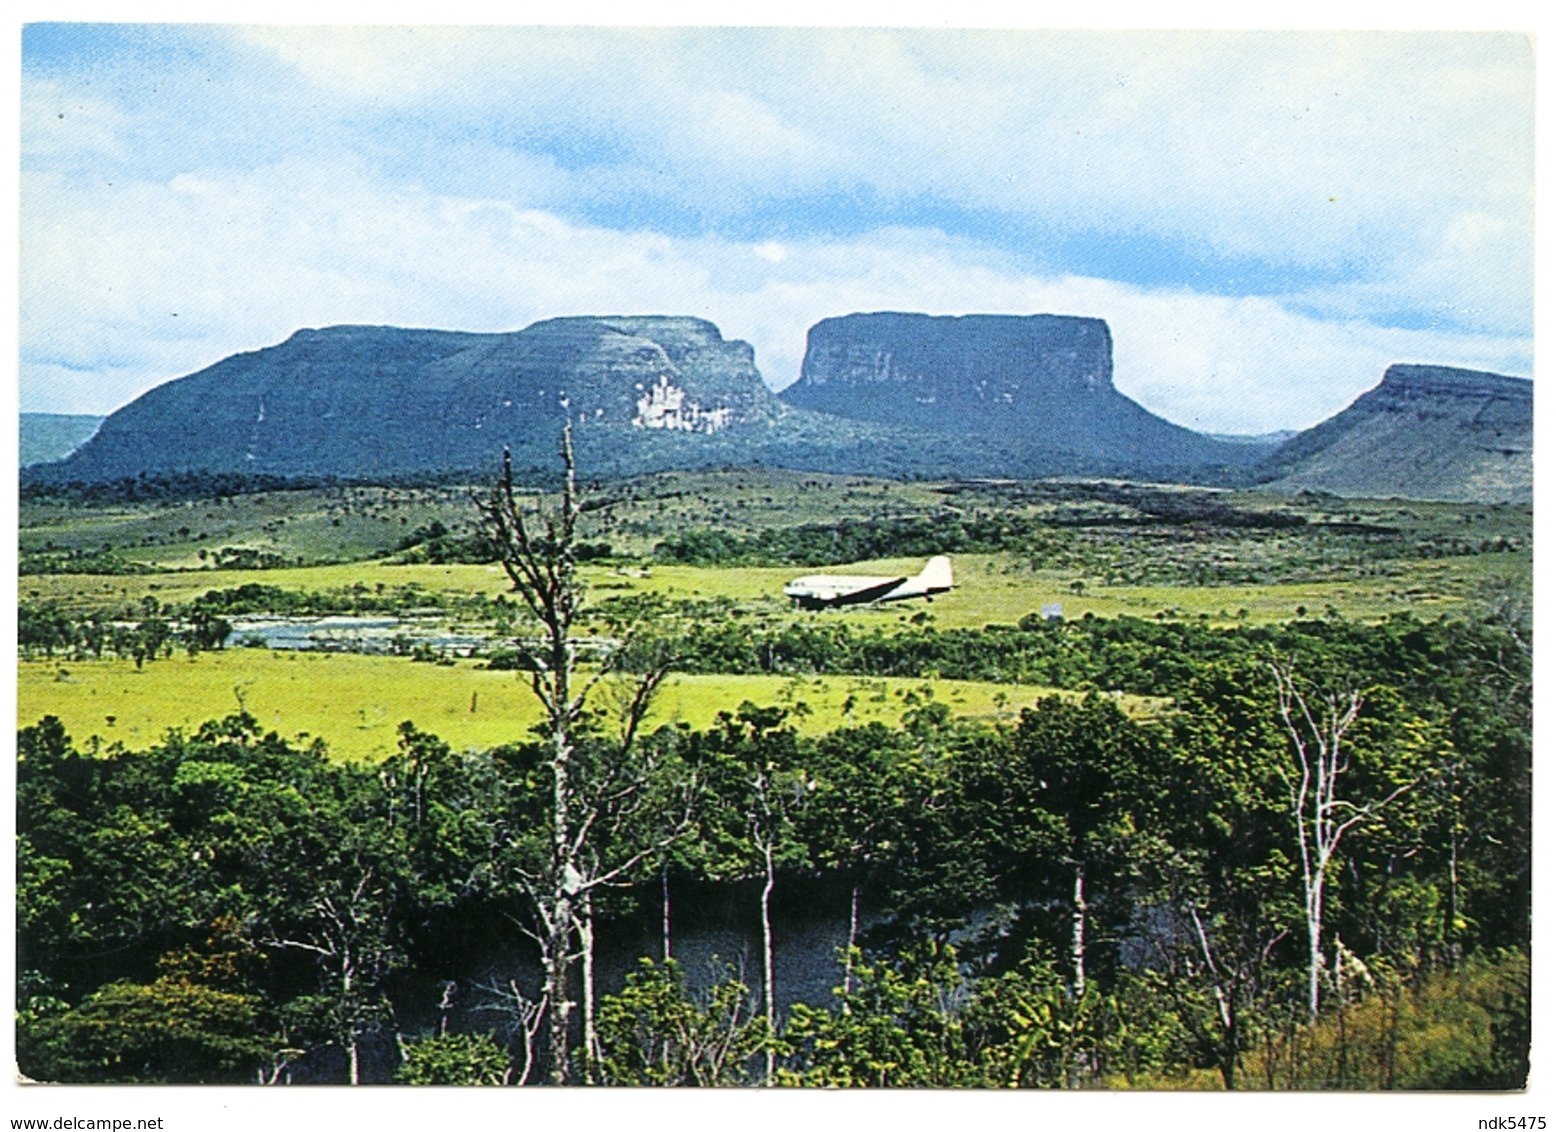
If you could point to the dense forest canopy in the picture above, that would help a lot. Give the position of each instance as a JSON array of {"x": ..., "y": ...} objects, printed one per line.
[{"x": 1041, "y": 888}]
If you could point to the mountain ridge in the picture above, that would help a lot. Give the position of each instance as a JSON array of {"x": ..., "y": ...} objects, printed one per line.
[
  {"x": 361, "y": 400},
  {"x": 1424, "y": 431},
  {"x": 893, "y": 394}
]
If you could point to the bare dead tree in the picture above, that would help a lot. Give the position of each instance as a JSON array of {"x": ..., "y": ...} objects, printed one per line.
[
  {"x": 1317, "y": 725},
  {"x": 630, "y": 810},
  {"x": 345, "y": 933},
  {"x": 280, "y": 1061},
  {"x": 524, "y": 1017},
  {"x": 592, "y": 799},
  {"x": 1233, "y": 975}
]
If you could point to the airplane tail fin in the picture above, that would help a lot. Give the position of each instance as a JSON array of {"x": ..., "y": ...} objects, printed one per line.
[{"x": 937, "y": 573}]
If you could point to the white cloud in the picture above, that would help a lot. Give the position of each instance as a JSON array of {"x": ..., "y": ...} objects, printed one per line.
[
  {"x": 1253, "y": 365},
  {"x": 1346, "y": 152},
  {"x": 126, "y": 289},
  {"x": 436, "y": 176}
]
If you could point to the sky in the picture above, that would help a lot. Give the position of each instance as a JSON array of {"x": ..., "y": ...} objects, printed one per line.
[{"x": 1267, "y": 220}]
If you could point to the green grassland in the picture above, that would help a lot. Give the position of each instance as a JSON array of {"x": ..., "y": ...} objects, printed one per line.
[
  {"x": 86, "y": 592},
  {"x": 349, "y": 524},
  {"x": 991, "y": 588},
  {"x": 337, "y": 524},
  {"x": 1099, "y": 548},
  {"x": 341, "y": 524},
  {"x": 356, "y": 703},
  {"x": 999, "y": 589}
]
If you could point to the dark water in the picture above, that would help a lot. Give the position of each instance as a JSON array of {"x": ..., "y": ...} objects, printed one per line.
[
  {"x": 715, "y": 935},
  {"x": 381, "y": 635}
]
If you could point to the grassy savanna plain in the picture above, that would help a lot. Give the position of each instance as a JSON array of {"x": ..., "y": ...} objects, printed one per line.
[
  {"x": 356, "y": 703},
  {"x": 990, "y": 588},
  {"x": 350, "y": 523},
  {"x": 1102, "y": 549}
]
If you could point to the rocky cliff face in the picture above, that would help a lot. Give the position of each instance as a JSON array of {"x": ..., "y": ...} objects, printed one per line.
[
  {"x": 362, "y": 401},
  {"x": 1043, "y": 383},
  {"x": 1424, "y": 432},
  {"x": 917, "y": 367}
]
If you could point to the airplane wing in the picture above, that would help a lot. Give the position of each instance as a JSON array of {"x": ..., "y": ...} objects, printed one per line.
[
  {"x": 869, "y": 593},
  {"x": 826, "y": 590}
]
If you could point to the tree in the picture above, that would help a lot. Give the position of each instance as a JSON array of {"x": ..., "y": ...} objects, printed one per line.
[
  {"x": 1218, "y": 903},
  {"x": 197, "y": 1022},
  {"x": 900, "y": 1027},
  {"x": 635, "y": 798},
  {"x": 1318, "y": 725},
  {"x": 1033, "y": 1031},
  {"x": 755, "y": 796},
  {"x": 538, "y": 550},
  {"x": 1047, "y": 814},
  {"x": 654, "y": 1032},
  {"x": 455, "y": 1059},
  {"x": 347, "y": 929},
  {"x": 1213, "y": 942},
  {"x": 872, "y": 786}
]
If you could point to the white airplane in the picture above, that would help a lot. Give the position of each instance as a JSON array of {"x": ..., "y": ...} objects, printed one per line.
[{"x": 823, "y": 591}]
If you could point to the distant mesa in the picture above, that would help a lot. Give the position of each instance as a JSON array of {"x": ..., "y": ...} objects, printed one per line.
[
  {"x": 1042, "y": 384},
  {"x": 892, "y": 394},
  {"x": 363, "y": 401},
  {"x": 1424, "y": 432}
]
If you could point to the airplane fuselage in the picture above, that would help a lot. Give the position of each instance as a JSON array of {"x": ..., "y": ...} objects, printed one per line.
[{"x": 824, "y": 591}]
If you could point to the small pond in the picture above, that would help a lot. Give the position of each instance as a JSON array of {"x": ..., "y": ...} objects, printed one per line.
[{"x": 383, "y": 635}]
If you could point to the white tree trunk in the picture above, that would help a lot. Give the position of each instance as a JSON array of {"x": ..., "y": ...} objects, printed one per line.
[
  {"x": 538, "y": 556},
  {"x": 853, "y": 934},
  {"x": 1078, "y": 932},
  {"x": 767, "y": 961},
  {"x": 1317, "y": 727},
  {"x": 586, "y": 948},
  {"x": 353, "y": 1055},
  {"x": 664, "y": 896},
  {"x": 559, "y": 997},
  {"x": 1315, "y": 946}
]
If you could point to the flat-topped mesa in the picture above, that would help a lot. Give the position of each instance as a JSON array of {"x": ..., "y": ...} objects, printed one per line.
[
  {"x": 362, "y": 401},
  {"x": 1043, "y": 382},
  {"x": 882, "y": 394},
  {"x": 1498, "y": 409},
  {"x": 1423, "y": 432},
  {"x": 889, "y": 362}
]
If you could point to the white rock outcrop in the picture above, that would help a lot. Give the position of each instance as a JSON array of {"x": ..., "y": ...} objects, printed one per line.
[{"x": 665, "y": 405}]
